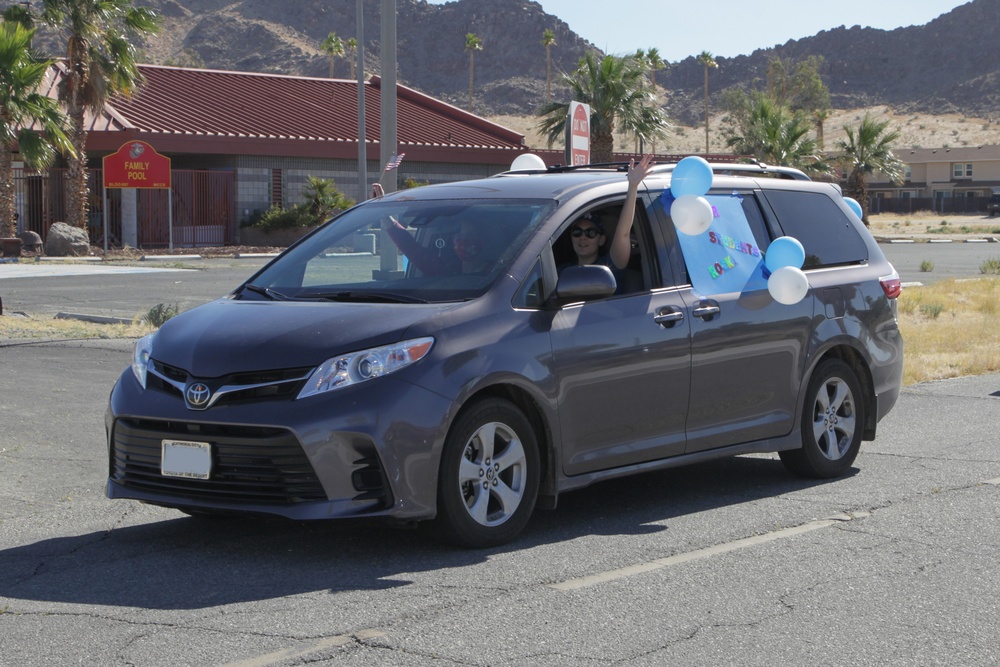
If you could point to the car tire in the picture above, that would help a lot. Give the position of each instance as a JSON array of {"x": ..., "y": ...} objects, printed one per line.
[
  {"x": 833, "y": 422},
  {"x": 489, "y": 476}
]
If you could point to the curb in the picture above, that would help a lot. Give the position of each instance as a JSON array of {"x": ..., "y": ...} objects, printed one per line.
[
  {"x": 96, "y": 319},
  {"x": 68, "y": 260},
  {"x": 168, "y": 258}
]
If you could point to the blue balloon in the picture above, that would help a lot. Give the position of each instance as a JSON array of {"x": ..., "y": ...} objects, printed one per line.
[
  {"x": 784, "y": 251},
  {"x": 854, "y": 206},
  {"x": 691, "y": 176}
]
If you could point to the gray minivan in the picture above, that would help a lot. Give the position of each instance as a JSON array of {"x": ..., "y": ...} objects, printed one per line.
[{"x": 417, "y": 385}]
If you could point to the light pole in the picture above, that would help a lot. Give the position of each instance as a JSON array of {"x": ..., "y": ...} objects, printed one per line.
[
  {"x": 362, "y": 131},
  {"x": 388, "y": 260}
]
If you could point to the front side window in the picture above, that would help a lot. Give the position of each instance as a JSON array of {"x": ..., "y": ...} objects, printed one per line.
[
  {"x": 589, "y": 238},
  {"x": 425, "y": 251}
]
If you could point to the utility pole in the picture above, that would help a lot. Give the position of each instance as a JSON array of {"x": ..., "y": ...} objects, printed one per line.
[
  {"x": 362, "y": 146},
  {"x": 387, "y": 139},
  {"x": 388, "y": 130}
]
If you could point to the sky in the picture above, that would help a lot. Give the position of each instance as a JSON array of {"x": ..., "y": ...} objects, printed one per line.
[{"x": 678, "y": 28}]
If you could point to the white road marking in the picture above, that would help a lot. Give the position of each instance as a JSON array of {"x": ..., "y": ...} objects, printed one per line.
[
  {"x": 295, "y": 653},
  {"x": 20, "y": 270},
  {"x": 708, "y": 552}
]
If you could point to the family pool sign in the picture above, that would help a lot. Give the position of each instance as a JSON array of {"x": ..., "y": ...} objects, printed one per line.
[{"x": 137, "y": 165}]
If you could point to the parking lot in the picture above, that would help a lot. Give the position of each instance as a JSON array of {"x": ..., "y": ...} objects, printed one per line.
[{"x": 733, "y": 562}]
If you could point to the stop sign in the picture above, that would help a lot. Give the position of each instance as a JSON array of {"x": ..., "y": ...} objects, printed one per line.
[{"x": 579, "y": 148}]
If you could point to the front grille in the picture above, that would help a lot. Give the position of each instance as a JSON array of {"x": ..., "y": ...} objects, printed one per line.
[
  {"x": 242, "y": 387},
  {"x": 249, "y": 464}
]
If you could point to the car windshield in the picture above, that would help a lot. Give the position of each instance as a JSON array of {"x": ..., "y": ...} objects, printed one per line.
[{"x": 404, "y": 251}]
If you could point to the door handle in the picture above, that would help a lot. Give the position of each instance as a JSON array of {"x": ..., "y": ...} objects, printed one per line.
[
  {"x": 706, "y": 310},
  {"x": 668, "y": 316}
]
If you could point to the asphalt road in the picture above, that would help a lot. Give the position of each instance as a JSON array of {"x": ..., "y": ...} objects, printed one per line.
[
  {"x": 126, "y": 295},
  {"x": 729, "y": 563}
]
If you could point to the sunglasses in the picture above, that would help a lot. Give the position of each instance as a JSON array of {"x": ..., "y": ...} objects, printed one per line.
[{"x": 589, "y": 232}]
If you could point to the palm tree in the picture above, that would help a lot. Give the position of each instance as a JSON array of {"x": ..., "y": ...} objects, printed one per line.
[
  {"x": 612, "y": 86},
  {"x": 352, "y": 52},
  {"x": 548, "y": 40},
  {"x": 868, "y": 149},
  {"x": 101, "y": 62},
  {"x": 655, "y": 62},
  {"x": 333, "y": 47},
  {"x": 472, "y": 44},
  {"x": 708, "y": 62},
  {"x": 19, "y": 13},
  {"x": 21, "y": 106},
  {"x": 771, "y": 133},
  {"x": 820, "y": 117}
]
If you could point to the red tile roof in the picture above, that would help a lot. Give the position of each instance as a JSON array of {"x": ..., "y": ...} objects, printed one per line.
[{"x": 213, "y": 111}]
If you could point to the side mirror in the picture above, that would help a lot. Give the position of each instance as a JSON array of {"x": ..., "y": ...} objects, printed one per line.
[{"x": 582, "y": 283}]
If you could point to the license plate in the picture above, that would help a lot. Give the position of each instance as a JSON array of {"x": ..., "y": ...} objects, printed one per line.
[{"x": 181, "y": 458}]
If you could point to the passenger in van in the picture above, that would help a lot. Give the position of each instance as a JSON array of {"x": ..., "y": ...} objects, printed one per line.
[
  {"x": 588, "y": 235},
  {"x": 465, "y": 254}
]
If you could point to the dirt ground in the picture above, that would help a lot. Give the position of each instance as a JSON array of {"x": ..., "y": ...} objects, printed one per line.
[{"x": 916, "y": 131}]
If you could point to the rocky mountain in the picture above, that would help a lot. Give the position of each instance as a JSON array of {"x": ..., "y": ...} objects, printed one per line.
[{"x": 951, "y": 64}]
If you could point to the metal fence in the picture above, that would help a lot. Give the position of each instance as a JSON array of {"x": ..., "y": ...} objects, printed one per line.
[
  {"x": 936, "y": 204},
  {"x": 203, "y": 208}
]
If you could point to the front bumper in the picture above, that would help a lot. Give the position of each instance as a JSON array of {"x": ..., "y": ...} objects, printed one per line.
[{"x": 369, "y": 450}]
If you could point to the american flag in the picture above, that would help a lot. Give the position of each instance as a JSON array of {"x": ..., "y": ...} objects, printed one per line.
[{"x": 394, "y": 161}]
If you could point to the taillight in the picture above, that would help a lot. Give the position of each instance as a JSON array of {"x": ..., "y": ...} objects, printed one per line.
[{"x": 891, "y": 284}]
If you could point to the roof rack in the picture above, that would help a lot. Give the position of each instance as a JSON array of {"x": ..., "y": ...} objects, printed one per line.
[{"x": 722, "y": 168}]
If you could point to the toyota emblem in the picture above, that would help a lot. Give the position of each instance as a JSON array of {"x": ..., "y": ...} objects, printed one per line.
[{"x": 197, "y": 395}]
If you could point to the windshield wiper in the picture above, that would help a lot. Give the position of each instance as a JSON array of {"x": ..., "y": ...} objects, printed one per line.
[
  {"x": 364, "y": 296},
  {"x": 272, "y": 294}
]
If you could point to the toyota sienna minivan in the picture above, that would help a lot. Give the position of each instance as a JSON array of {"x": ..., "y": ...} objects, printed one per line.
[{"x": 413, "y": 384}]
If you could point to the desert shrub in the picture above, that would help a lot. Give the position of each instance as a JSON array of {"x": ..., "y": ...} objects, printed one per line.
[
  {"x": 160, "y": 313},
  {"x": 931, "y": 310},
  {"x": 322, "y": 199},
  {"x": 990, "y": 266}
]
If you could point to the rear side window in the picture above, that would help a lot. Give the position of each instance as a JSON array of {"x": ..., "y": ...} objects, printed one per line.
[{"x": 821, "y": 227}]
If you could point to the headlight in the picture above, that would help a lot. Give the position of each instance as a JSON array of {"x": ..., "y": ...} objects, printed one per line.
[
  {"x": 349, "y": 369},
  {"x": 140, "y": 358}
]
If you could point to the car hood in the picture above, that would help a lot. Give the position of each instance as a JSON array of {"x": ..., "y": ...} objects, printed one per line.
[{"x": 228, "y": 336}]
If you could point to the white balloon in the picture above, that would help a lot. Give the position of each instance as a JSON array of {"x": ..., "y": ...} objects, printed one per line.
[
  {"x": 692, "y": 215},
  {"x": 527, "y": 162},
  {"x": 788, "y": 285}
]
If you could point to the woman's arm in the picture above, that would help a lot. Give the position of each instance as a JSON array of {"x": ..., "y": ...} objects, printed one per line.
[{"x": 621, "y": 244}]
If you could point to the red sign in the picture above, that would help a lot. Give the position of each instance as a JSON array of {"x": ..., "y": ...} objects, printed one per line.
[
  {"x": 136, "y": 165},
  {"x": 579, "y": 148}
]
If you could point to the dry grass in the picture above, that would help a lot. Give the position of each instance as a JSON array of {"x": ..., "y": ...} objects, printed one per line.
[
  {"x": 930, "y": 225},
  {"x": 15, "y": 327},
  {"x": 950, "y": 328}
]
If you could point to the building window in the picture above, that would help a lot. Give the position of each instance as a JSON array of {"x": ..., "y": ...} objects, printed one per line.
[
  {"x": 908, "y": 173},
  {"x": 961, "y": 170}
]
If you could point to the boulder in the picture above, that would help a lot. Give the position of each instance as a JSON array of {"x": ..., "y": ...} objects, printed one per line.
[
  {"x": 31, "y": 241},
  {"x": 66, "y": 241}
]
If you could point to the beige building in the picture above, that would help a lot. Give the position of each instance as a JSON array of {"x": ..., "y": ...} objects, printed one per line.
[{"x": 947, "y": 179}]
